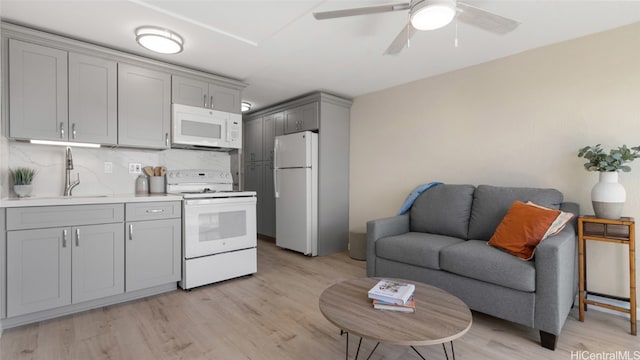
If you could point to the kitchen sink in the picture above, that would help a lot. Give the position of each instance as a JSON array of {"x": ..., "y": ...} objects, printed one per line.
[{"x": 68, "y": 197}]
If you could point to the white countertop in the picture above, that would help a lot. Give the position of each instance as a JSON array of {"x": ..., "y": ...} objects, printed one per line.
[{"x": 85, "y": 200}]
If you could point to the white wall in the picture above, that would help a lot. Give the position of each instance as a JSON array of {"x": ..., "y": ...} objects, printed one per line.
[{"x": 517, "y": 121}]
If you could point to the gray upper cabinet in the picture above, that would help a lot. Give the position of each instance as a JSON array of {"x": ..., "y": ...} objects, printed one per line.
[
  {"x": 302, "y": 118},
  {"x": 202, "y": 93},
  {"x": 37, "y": 92},
  {"x": 93, "y": 102},
  {"x": 187, "y": 91},
  {"x": 224, "y": 98},
  {"x": 144, "y": 107}
]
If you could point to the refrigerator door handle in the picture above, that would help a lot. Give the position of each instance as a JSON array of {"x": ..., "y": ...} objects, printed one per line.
[{"x": 275, "y": 168}]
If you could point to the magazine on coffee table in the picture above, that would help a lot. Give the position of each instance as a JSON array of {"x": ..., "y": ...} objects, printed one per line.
[{"x": 392, "y": 291}]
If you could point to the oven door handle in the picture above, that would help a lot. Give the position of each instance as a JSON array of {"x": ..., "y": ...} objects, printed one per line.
[{"x": 241, "y": 200}]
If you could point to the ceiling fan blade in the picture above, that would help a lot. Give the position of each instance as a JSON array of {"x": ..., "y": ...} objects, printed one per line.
[
  {"x": 485, "y": 20},
  {"x": 401, "y": 40},
  {"x": 360, "y": 11}
]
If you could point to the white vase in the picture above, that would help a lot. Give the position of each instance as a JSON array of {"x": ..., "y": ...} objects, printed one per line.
[
  {"x": 23, "y": 190},
  {"x": 608, "y": 196}
]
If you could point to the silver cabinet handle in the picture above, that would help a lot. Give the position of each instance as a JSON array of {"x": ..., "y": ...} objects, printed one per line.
[
  {"x": 130, "y": 231},
  {"x": 211, "y": 102},
  {"x": 61, "y": 130},
  {"x": 155, "y": 211},
  {"x": 205, "y": 100},
  {"x": 77, "y": 237},
  {"x": 64, "y": 238},
  {"x": 166, "y": 139},
  {"x": 73, "y": 130}
]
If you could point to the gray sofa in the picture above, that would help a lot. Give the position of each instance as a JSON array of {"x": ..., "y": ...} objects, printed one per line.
[{"x": 442, "y": 241}]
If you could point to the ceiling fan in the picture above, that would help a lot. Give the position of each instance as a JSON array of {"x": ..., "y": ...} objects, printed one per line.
[{"x": 430, "y": 15}]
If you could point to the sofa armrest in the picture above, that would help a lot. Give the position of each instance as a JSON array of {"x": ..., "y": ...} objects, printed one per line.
[
  {"x": 377, "y": 229},
  {"x": 556, "y": 276}
]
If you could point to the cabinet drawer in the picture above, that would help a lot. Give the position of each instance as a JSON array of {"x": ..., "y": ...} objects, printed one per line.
[
  {"x": 153, "y": 210},
  {"x": 64, "y": 215}
]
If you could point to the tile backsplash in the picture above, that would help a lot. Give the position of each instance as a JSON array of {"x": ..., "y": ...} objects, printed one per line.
[{"x": 90, "y": 164}]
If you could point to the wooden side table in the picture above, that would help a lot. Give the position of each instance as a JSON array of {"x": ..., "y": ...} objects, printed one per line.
[{"x": 620, "y": 231}]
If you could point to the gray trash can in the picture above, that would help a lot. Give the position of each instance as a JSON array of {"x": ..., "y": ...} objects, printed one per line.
[{"x": 358, "y": 245}]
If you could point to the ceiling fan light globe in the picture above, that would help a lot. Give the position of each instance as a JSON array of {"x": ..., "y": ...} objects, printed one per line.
[{"x": 432, "y": 14}]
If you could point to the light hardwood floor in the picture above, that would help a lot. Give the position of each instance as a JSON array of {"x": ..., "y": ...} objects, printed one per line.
[{"x": 274, "y": 314}]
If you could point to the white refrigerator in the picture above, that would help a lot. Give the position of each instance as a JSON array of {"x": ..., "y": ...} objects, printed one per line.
[{"x": 296, "y": 192}]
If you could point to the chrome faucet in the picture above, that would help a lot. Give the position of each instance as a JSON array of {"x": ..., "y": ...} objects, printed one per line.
[{"x": 67, "y": 178}]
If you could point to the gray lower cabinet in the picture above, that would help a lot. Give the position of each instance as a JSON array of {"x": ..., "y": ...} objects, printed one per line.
[
  {"x": 63, "y": 255},
  {"x": 97, "y": 258},
  {"x": 38, "y": 270},
  {"x": 153, "y": 244},
  {"x": 144, "y": 107},
  {"x": 38, "y": 106},
  {"x": 52, "y": 267}
]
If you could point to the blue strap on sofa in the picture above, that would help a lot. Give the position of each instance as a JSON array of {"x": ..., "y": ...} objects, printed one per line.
[{"x": 414, "y": 195}]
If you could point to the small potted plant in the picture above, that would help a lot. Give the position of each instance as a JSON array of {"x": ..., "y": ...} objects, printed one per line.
[
  {"x": 22, "y": 177},
  {"x": 608, "y": 195}
]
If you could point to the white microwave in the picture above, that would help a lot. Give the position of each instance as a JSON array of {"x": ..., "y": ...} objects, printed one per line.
[{"x": 195, "y": 127}]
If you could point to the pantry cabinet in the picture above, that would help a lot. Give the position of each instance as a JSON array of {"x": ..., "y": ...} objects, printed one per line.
[
  {"x": 328, "y": 115},
  {"x": 260, "y": 133},
  {"x": 37, "y": 92},
  {"x": 144, "y": 107},
  {"x": 206, "y": 94}
]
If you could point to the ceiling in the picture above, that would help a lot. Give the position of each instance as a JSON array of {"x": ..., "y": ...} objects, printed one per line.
[{"x": 281, "y": 51}]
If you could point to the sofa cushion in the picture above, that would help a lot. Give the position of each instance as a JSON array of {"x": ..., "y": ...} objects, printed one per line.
[
  {"x": 523, "y": 228},
  {"x": 477, "y": 260},
  {"x": 443, "y": 210},
  {"x": 420, "y": 249},
  {"x": 491, "y": 203}
]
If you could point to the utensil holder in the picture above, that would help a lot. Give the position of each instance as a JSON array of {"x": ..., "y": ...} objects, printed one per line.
[{"x": 157, "y": 184}]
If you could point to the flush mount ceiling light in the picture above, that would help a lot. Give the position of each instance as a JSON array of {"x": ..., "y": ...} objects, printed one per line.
[
  {"x": 432, "y": 14},
  {"x": 245, "y": 106},
  {"x": 160, "y": 40}
]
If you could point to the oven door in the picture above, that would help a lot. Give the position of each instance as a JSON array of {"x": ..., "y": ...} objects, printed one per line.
[{"x": 217, "y": 225}]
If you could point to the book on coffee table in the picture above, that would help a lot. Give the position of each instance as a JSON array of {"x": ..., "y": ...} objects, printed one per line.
[
  {"x": 392, "y": 291},
  {"x": 409, "y": 307}
]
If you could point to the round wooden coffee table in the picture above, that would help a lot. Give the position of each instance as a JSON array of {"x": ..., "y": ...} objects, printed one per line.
[{"x": 439, "y": 317}]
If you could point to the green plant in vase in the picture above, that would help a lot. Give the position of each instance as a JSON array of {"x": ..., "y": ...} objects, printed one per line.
[
  {"x": 608, "y": 195},
  {"x": 22, "y": 178}
]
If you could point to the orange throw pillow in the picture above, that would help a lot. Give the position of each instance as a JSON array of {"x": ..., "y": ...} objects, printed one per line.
[{"x": 522, "y": 229}]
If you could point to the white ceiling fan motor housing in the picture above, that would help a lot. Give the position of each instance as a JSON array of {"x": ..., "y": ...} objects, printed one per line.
[{"x": 432, "y": 14}]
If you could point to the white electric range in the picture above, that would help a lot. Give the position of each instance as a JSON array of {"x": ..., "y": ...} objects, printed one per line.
[{"x": 218, "y": 226}]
